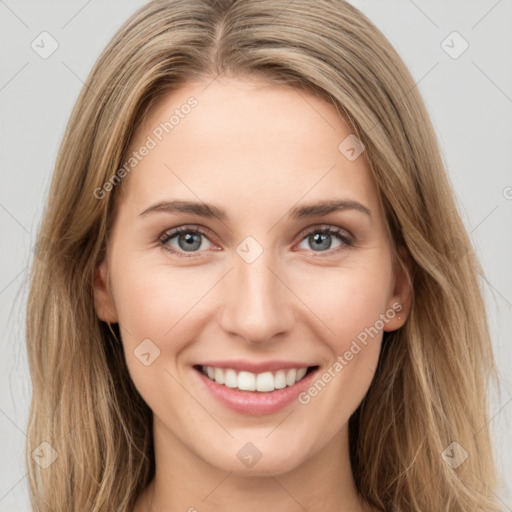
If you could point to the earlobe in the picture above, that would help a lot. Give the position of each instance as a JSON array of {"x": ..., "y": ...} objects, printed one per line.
[
  {"x": 400, "y": 303},
  {"x": 397, "y": 313},
  {"x": 103, "y": 301}
]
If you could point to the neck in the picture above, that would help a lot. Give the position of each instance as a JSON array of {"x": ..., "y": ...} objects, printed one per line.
[{"x": 183, "y": 481}]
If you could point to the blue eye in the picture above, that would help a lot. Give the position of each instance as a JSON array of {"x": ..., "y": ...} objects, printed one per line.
[
  {"x": 190, "y": 240},
  {"x": 321, "y": 239}
]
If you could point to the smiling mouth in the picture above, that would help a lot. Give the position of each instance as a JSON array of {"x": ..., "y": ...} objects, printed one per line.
[{"x": 264, "y": 382}]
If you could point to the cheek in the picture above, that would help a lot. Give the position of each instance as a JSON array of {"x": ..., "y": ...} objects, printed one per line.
[
  {"x": 164, "y": 303},
  {"x": 350, "y": 303},
  {"x": 346, "y": 304},
  {"x": 347, "y": 300},
  {"x": 155, "y": 301},
  {"x": 159, "y": 310},
  {"x": 351, "y": 309}
]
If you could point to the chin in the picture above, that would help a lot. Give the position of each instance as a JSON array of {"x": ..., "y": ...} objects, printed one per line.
[{"x": 258, "y": 457}]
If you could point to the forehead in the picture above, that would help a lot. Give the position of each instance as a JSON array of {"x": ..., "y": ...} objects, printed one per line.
[{"x": 246, "y": 144}]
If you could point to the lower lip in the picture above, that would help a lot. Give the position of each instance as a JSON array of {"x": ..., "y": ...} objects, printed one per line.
[{"x": 256, "y": 402}]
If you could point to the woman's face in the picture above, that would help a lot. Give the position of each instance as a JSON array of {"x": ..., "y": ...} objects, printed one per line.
[{"x": 261, "y": 282}]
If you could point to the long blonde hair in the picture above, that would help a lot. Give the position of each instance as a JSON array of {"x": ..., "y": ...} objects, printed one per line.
[{"x": 430, "y": 388}]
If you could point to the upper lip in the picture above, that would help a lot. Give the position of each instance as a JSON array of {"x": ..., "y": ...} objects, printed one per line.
[{"x": 253, "y": 367}]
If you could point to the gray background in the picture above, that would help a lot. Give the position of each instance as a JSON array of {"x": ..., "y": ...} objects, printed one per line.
[{"x": 469, "y": 99}]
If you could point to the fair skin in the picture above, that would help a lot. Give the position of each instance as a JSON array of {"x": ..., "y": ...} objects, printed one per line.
[{"x": 256, "y": 151}]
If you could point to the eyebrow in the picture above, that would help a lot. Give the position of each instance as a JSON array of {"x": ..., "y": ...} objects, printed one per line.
[{"x": 298, "y": 212}]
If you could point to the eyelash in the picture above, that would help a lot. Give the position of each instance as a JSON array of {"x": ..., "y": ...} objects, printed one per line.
[{"x": 342, "y": 235}]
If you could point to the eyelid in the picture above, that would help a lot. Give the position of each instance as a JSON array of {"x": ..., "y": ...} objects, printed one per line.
[
  {"x": 346, "y": 237},
  {"x": 168, "y": 234},
  {"x": 172, "y": 232},
  {"x": 326, "y": 227}
]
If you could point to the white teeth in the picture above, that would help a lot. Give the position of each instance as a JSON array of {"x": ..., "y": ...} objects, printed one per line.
[
  {"x": 300, "y": 374},
  {"x": 280, "y": 379},
  {"x": 247, "y": 381},
  {"x": 265, "y": 382},
  {"x": 230, "y": 379},
  {"x": 219, "y": 376},
  {"x": 290, "y": 377}
]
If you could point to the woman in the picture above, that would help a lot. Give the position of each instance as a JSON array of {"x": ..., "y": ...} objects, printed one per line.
[{"x": 256, "y": 289}]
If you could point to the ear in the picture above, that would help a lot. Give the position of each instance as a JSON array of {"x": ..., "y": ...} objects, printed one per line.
[
  {"x": 103, "y": 300},
  {"x": 401, "y": 297}
]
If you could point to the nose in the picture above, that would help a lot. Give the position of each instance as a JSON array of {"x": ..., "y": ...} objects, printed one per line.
[{"x": 257, "y": 304}]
